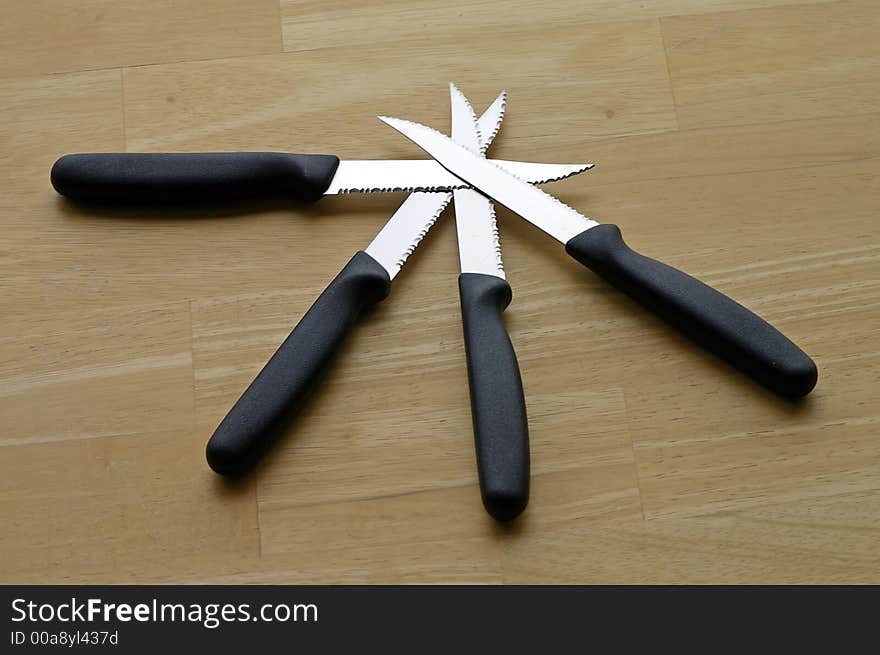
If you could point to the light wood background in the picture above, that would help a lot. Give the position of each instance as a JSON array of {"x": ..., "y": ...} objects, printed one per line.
[{"x": 736, "y": 139}]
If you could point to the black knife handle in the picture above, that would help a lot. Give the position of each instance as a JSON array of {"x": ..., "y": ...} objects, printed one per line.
[
  {"x": 207, "y": 178},
  {"x": 498, "y": 407},
  {"x": 710, "y": 318},
  {"x": 286, "y": 382}
]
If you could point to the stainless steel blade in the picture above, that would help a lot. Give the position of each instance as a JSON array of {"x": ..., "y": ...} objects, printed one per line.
[
  {"x": 404, "y": 231},
  {"x": 410, "y": 223},
  {"x": 370, "y": 176},
  {"x": 490, "y": 122},
  {"x": 479, "y": 246},
  {"x": 541, "y": 209}
]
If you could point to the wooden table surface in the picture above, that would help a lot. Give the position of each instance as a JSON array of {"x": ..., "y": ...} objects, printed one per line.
[{"x": 736, "y": 139}]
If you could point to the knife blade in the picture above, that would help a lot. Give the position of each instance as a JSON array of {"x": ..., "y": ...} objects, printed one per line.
[
  {"x": 221, "y": 177},
  {"x": 498, "y": 408},
  {"x": 411, "y": 222},
  {"x": 370, "y": 176},
  {"x": 718, "y": 323},
  {"x": 479, "y": 248}
]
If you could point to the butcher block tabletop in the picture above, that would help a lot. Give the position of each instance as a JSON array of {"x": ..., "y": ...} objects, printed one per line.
[{"x": 738, "y": 140}]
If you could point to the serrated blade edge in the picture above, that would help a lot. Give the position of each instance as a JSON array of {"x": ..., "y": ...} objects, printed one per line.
[
  {"x": 479, "y": 244},
  {"x": 490, "y": 122},
  {"x": 539, "y": 208},
  {"x": 465, "y": 127},
  {"x": 403, "y": 232},
  {"x": 389, "y": 176}
]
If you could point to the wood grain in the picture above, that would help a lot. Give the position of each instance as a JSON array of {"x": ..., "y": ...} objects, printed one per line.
[
  {"x": 799, "y": 542},
  {"x": 778, "y": 63},
  {"x": 52, "y": 36},
  {"x": 311, "y": 24},
  {"x": 43, "y": 116},
  {"x": 736, "y": 139}
]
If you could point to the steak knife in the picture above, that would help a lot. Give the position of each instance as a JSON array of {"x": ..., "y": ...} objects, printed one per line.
[
  {"x": 212, "y": 178},
  {"x": 707, "y": 316},
  {"x": 498, "y": 407}
]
